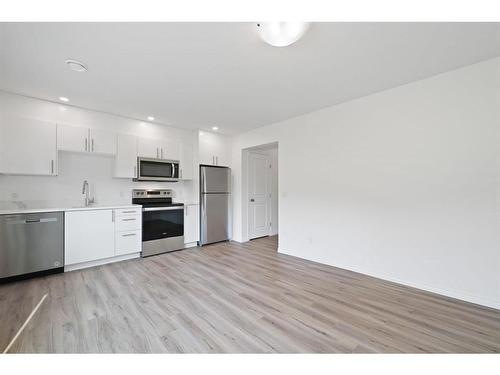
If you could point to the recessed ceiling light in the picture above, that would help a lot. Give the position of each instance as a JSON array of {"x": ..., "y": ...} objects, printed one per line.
[
  {"x": 215, "y": 128},
  {"x": 63, "y": 99},
  {"x": 151, "y": 118},
  {"x": 77, "y": 66},
  {"x": 281, "y": 34}
]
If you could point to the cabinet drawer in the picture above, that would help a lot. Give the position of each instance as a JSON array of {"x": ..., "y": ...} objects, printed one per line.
[
  {"x": 128, "y": 242},
  {"x": 128, "y": 211},
  {"x": 127, "y": 223}
]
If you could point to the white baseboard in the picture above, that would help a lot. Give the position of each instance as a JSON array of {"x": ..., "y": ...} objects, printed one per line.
[
  {"x": 190, "y": 244},
  {"x": 479, "y": 300},
  {"x": 100, "y": 262}
]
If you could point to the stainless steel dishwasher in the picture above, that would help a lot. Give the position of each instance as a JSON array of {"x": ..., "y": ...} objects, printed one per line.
[{"x": 31, "y": 244}]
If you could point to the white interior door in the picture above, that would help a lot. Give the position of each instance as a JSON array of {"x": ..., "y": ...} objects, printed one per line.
[{"x": 259, "y": 209}]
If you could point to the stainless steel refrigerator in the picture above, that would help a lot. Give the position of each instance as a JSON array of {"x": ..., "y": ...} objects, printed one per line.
[{"x": 214, "y": 204}]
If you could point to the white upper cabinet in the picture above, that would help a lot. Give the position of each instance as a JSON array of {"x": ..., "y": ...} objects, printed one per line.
[
  {"x": 170, "y": 149},
  {"x": 82, "y": 139},
  {"x": 72, "y": 138},
  {"x": 186, "y": 171},
  {"x": 126, "y": 156},
  {"x": 102, "y": 141},
  {"x": 214, "y": 149},
  {"x": 149, "y": 147},
  {"x": 158, "y": 148},
  {"x": 27, "y": 146}
]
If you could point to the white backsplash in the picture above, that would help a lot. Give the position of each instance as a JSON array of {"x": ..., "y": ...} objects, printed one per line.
[{"x": 73, "y": 170}]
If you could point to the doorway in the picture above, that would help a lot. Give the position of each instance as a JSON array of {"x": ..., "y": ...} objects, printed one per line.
[{"x": 262, "y": 191}]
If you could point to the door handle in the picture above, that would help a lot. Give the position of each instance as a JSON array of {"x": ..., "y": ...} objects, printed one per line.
[
  {"x": 86, "y": 143},
  {"x": 92, "y": 144},
  {"x": 52, "y": 166}
]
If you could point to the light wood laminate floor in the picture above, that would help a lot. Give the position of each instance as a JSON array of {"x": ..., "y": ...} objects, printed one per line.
[{"x": 232, "y": 297}]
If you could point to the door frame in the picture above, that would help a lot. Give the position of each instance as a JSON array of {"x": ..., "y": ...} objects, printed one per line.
[{"x": 244, "y": 186}]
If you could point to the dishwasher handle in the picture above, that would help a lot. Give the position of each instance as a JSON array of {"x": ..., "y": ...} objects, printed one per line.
[{"x": 34, "y": 221}]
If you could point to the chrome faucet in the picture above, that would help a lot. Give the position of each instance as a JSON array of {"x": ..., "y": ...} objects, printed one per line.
[{"x": 85, "y": 190}]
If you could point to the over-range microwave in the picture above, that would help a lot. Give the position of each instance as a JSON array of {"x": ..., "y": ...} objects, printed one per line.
[{"x": 149, "y": 169}]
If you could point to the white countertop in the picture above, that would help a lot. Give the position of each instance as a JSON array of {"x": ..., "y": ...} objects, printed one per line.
[{"x": 24, "y": 207}]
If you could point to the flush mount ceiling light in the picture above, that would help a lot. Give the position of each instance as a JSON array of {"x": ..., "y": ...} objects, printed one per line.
[
  {"x": 76, "y": 66},
  {"x": 151, "y": 118},
  {"x": 63, "y": 99},
  {"x": 281, "y": 34},
  {"x": 215, "y": 128}
]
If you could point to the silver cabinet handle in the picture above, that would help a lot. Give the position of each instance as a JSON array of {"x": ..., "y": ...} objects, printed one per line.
[
  {"x": 129, "y": 212},
  {"x": 113, "y": 216},
  {"x": 86, "y": 143},
  {"x": 128, "y": 235},
  {"x": 162, "y": 152},
  {"x": 131, "y": 219},
  {"x": 92, "y": 144},
  {"x": 213, "y": 160},
  {"x": 52, "y": 166},
  {"x": 186, "y": 210},
  {"x": 157, "y": 153},
  {"x": 216, "y": 160},
  {"x": 180, "y": 173}
]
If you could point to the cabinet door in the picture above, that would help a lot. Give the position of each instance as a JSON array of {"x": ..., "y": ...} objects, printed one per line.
[
  {"x": 186, "y": 161},
  {"x": 170, "y": 149},
  {"x": 214, "y": 149},
  {"x": 88, "y": 235},
  {"x": 191, "y": 223},
  {"x": 126, "y": 156},
  {"x": 149, "y": 147},
  {"x": 102, "y": 142},
  {"x": 27, "y": 146},
  {"x": 207, "y": 148},
  {"x": 222, "y": 151},
  {"x": 73, "y": 138}
]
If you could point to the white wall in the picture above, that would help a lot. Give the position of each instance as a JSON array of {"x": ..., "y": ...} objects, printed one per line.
[
  {"x": 402, "y": 185},
  {"x": 74, "y": 167}
]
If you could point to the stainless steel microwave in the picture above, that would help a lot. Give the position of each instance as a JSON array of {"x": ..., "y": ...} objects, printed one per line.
[{"x": 149, "y": 169}]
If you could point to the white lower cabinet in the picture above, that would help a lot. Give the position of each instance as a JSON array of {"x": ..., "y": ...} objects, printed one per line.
[
  {"x": 88, "y": 235},
  {"x": 97, "y": 236},
  {"x": 191, "y": 223},
  {"x": 127, "y": 242}
]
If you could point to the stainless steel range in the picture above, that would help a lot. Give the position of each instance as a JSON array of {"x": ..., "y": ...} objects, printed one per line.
[{"x": 162, "y": 221}]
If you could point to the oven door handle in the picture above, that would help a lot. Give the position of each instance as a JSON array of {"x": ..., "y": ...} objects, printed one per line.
[{"x": 162, "y": 208}]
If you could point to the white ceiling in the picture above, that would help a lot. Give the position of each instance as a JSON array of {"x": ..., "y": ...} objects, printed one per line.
[{"x": 196, "y": 75}]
